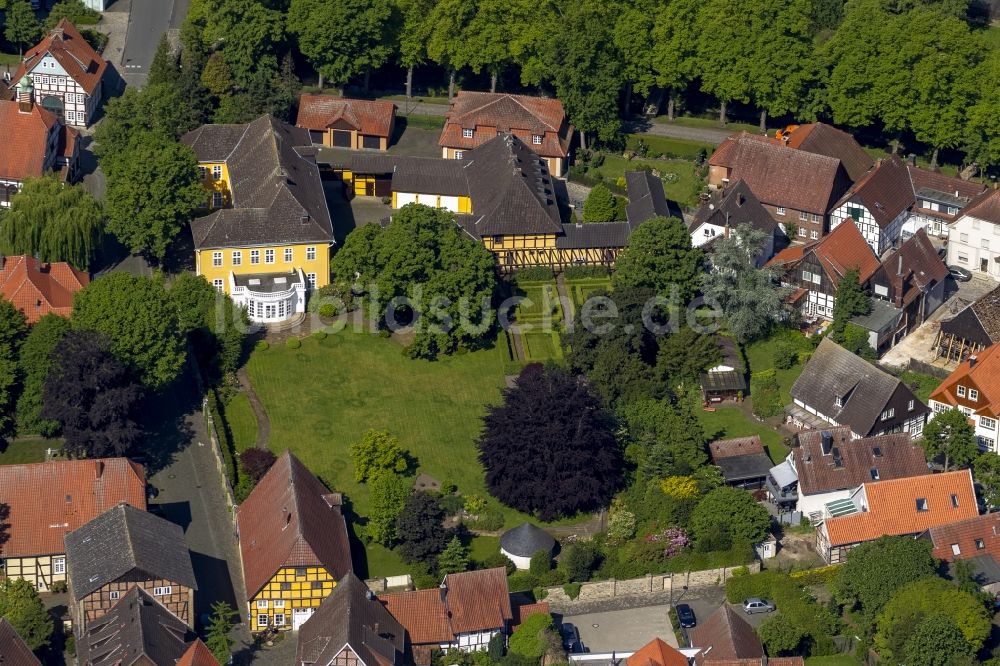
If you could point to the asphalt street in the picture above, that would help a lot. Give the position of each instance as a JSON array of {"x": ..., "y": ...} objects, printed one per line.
[{"x": 148, "y": 21}]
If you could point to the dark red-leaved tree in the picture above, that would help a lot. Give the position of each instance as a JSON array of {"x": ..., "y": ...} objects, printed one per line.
[
  {"x": 92, "y": 395},
  {"x": 549, "y": 448},
  {"x": 255, "y": 462}
]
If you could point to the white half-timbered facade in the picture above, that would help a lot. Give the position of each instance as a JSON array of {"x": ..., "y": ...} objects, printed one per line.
[
  {"x": 67, "y": 75},
  {"x": 878, "y": 205},
  {"x": 878, "y": 238}
]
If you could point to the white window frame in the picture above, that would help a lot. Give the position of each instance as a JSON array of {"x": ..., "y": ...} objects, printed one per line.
[
  {"x": 536, "y": 139},
  {"x": 973, "y": 395},
  {"x": 279, "y": 619},
  {"x": 114, "y": 595},
  {"x": 310, "y": 253},
  {"x": 988, "y": 423},
  {"x": 888, "y": 414},
  {"x": 955, "y": 550},
  {"x": 217, "y": 200},
  {"x": 288, "y": 255},
  {"x": 217, "y": 259},
  {"x": 163, "y": 591},
  {"x": 459, "y": 154},
  {"x": 218, "y": 284},
  {"x": 311, "y": 280},
  {"x": 802, "y": 232},
  {"x": 254, "y": 257},
  {"x": 467, "y": 133},
  {"x": 237, "y": 257},
  {"x": 58, "y": 565},
  {"x": 217, "y": 172},
  {"x": 780, "y": 210},
  {"x": 262, "y": 603},
  {"x": 816, "y": 217},
  {"x": 803, "y": 216},
  {"x": 806, "y": 276},
  {"x": 263, "y": 620},
  {"x": 203, "y": 170},
  {"x": 814, "y": 235},
  {"x": 279, "y": 603},
  {"x": 910, "y": 405},
  {"x": 960, "y": 391},
  {"x": 269, "y": 256}
]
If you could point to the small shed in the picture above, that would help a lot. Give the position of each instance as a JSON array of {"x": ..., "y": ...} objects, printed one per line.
[
  {"x": 742, "y": 460},
  {"x": 727, "y": 380},
  {"x": 520, "y": 543}
]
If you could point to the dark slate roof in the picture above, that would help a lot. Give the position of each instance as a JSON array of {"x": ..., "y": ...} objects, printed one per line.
[
  {"x": 883, "y": 314},
  {"x": 124, "y": 539},
  {"x": 646, "y": 198},
  {"x": 214, "y": 143},
  {"x": 833, "y": 372},
  {"x": 886, "y": 457},
  {"x": 136, "y": 627},
  {"x": 594, "y": 234},
  {"x": 13, "y": 651},
  {"x": 525, "y": 540},
  {"x": 431, "y": 175},
  {"x": 742, "y": 468},
  {"x": 277, "y": 193},
  {"x": 733, "y": 207},
  {"x": 985, "y": 570},
  {"x": 350, "y": 617},
  {"x": 511, "y": 189},
  {"x": 979, "y": 322}
]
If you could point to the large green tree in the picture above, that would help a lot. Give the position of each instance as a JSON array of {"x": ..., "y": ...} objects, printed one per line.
[
  {"x": 153, "y": 189},
  {"x": 935, "y": 641},
  {"x": 215, "y": 325},
  {"x": 388, "y": 496},
  {"x": 422, "y": 264},
  {"x": 987, "y": 472},
  {"x": 674, "y": 52},
  {"x": 420, "y": 528},
  {"x": 138, "y": 317},
  {"x": 220, "y": 625},
  {"x": 732, "y": 511},
  {"x": 12, "y": 331},
  {"x": 164, "y": 68},
  {"x": 726, "y": 51},
  {"x": 375, "y": 453},
  {"x": 876, "y": 569},
  {"x": 248, "y": 33},
  {"x": 930, "y": 596},
  {"x": 665, "y": 438},
  {"x": 163, "y": 108},
  {"x": 660, "y": 257},
  {"x": 414, "y": 31},
  {"x": 342, "y": 39},
  {"x": 54, "y": 222},
  {"x": 447, "y": 19},
  {"x": 21, "y": 25},
  {"x": 748, "y": 295},
  {"x": 33, "y": 365},
  {"x": 850, "y": 302},
  {"x": 950, "y": 435},
  {"x": 981, "y": 141},
  {"x": 21, "y": 606}
]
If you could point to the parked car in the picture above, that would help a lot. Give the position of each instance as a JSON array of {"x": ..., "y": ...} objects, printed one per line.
[
  {"x": 959, "y": 273},
  {"x": 570, "y": 637},
  {"x": 757, "y": 605},
  {"x": 685, "y": 616}
]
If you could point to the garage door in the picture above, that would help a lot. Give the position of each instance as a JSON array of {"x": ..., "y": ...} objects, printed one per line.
[
  {"x": 371, "y": 142},
  {"x": 428, "y": 200},
  {"x": 450, "y": 203},
  {"x": 299, "y": 617},
  {"x": 403, "y": 198},
  {"x": 341, "y": 139}
]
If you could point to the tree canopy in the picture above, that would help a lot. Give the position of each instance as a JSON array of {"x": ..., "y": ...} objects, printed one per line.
[
  {"x": 377, "y": 452},
  {"x": 665, "y": 438},
  {"x": 851, "y": 301},
  {"x": 549, "y": 448},
  {"x": 21, "y": 606},
  {"x": 140, "y": 321},
  {"x": 876, "y": 569},
  {"x": 33, "y": 366},
  {"x": 54, "y": 222},
  {"x": 13, "y": 328},
  {"x": 732, "y": 511},
  {"x": 420, "y": 529},
  {"x": 659, "y": 256},
  {"x": 950, "y": 435},
  {"x": 423, "y": 264}
]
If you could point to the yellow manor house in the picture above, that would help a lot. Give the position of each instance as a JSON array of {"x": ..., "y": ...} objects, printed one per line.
[
  {"x": 266, "y": 241},
  {"x": 293, "y": 546}
]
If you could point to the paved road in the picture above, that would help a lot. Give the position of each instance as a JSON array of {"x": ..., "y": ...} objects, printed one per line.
[
  {"x": 703, "y": 134},
  {"x": 148, "y": 21},
  {"x": 191, "y": 495}
]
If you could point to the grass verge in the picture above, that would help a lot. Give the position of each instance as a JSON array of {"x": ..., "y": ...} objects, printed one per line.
[
  {"x": 727, "y": 422},
  {"x": 25, "y": 451},
  {"x": 242, "y": 422}
]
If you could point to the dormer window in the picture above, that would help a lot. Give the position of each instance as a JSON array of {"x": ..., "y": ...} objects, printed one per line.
[
  {"x": 467, "y": 133},
  {"x": 874, "y": 473},
  {"x": 909, "y": 406},
  {"x": 960, "y": 391},
  {"x": 922, "y": 504},
  {"x": 839, "y": 401},
  {"x": 980, "y": 544},
  {"x": 973, "y": 395}
]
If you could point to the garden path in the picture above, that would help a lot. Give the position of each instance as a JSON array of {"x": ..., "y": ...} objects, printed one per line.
[{"x": 263, "y": 423}]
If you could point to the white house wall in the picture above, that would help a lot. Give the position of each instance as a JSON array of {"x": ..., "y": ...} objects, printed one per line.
[
  {"x": 973, "y": 241},
  {"x": 811, "y": 503}
]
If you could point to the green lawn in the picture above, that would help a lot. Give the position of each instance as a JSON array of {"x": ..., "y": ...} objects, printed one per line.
[
  {"x": 921, "y": 385},
  {"x": 665, "y": 146},
  {"x": 709, "y": 123},
  {"x": 683, "y": 186},
  {"x": 482, "y": 547},
  {"x": 425, "y": 122},
  {"x": 328, "y": 393},
  {"x": 727, "y": 422},
  {"x": 11, "y": 59},
  {"x": 579, "y": 289},
  {"x": 242, "y": 422},
  {"x": 760, "y": 356},
  {"x": 416, "y": 99},
  {"x": 27, "y": 451}
]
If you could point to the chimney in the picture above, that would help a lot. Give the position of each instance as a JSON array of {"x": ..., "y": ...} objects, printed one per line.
[
  {"x": 972, "y": 361},
  {"x": 827, "y": 442},
  {"x": 911, "y": 159},
  {"x": 98, "y": 469},
  {"x": 25, "y": 95},
  {"x": 899, "y": 266}
]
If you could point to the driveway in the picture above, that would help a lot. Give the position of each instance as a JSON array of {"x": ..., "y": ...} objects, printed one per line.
[
  {"x": 148, "y": 21},
  {"x": 710, "y": 135},
  {"x": 623, "y": 630},
  {"x": 919, "y": 344}
]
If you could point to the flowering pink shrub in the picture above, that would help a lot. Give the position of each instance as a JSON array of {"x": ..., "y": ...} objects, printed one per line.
[{"x": 674, "y": 540}]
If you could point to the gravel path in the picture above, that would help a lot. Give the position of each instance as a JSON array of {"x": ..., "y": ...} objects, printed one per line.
[{"x": 703, "y": 134}]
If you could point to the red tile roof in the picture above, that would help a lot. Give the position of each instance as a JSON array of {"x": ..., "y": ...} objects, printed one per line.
[
  {"x": 524, "y": 611},
  {"x": 48, "y": 500},
  {"x": 983, "y": 375},
  {"x": 832, "y": 142},
  {"x": 25, "y": 140},
  {"x": 523, "y": 116},
  {"x": 885, "y": 191},
  {"x": 845, "y": 248},
  {"x": 965, "y": 534},
  {"x": 782, "y": 176},
  {"x": 197, "y": 654},
  {"x": 422, "y": 613},
  {"x": 657, "y": 653},
  {"x": 290, "y": 520},
  {"x": 467, "y": 602},
  {"x": 37, "y": 289},
  {"x": 370, "y": 117},
  {"x": 985, "y": 207},
  {"x": 725, "y": 636},
  {"x": 932, "y": 180},
  {"x": 83, "y": 64},
  {"x": 13, "y": 651},
  {"x": 892, "y": 507},
  {"x": 738, "y": 446}
]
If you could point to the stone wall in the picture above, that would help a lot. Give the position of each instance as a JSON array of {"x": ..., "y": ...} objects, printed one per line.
[{"x": 649, "y": 585}]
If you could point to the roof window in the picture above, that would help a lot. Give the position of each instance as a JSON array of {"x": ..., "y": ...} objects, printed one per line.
[{"x": 921, "y": 504}]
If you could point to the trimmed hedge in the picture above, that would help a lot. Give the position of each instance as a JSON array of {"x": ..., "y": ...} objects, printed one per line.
[{"x": 820, "y": 576}]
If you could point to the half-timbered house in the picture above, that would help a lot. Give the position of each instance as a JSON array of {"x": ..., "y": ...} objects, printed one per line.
[
  {"x": 123, "y": 548},
  {"x": 877, "y": 205},
  {"x": 293, "y": 545},
  {"x": 48, "y": 500},
  {"x": 67, "y": 74}
]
